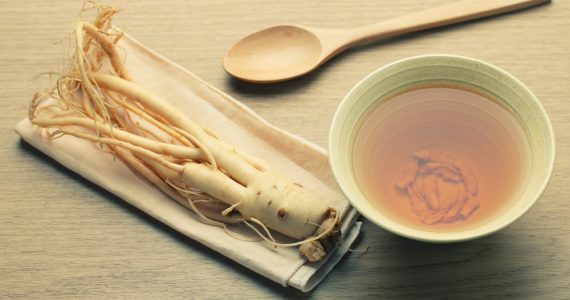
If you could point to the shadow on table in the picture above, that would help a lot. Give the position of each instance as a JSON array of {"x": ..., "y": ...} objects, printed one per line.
[
  {"x": 194, "y": 247},
  {"x": 495, "y": 266}
]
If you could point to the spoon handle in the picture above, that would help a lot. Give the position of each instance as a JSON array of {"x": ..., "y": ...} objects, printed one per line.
[{"x": 451, "y": 13}]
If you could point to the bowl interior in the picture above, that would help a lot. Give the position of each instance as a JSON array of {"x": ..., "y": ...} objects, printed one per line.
[{"x": 424, "y": 70}]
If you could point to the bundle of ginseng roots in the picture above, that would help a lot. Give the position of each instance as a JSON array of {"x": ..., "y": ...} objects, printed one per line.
[{"x": 97, "y": 100}]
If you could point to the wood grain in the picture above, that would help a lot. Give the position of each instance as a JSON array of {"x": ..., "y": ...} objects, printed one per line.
[{"x": 62, "y": 237}]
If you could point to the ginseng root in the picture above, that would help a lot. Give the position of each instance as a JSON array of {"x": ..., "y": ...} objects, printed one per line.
[
  {"x": 440, "y": 189},
  {"x": 98, "y": 100}
]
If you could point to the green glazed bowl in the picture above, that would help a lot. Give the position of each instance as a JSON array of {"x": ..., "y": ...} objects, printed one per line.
[{"x": 416, "y": 71}]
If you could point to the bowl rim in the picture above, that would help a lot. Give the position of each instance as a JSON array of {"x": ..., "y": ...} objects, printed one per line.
[{"x": 427, "y": 236}]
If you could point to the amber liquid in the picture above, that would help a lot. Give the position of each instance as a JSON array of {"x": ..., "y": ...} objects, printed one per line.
[{"x": 460, "y": 126}]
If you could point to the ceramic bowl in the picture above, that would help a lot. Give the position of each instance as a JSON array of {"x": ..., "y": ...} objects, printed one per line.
[{"x": 475, "y": 74}]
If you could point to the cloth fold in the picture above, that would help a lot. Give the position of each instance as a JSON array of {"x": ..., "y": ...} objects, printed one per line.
[{"x": 290, "y": 155}]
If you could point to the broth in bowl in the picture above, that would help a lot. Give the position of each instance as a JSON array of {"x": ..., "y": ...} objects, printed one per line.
[{"x": 440, "y": 158}]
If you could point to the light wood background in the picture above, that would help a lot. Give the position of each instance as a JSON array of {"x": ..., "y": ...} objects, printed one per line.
[{"x": 61, "y": 236}]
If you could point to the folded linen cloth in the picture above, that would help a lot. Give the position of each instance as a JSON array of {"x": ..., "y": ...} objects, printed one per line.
[{"x": 290, "y": 155}]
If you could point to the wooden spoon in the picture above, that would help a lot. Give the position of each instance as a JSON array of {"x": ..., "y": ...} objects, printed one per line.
[{"x": 284, "y": 52}]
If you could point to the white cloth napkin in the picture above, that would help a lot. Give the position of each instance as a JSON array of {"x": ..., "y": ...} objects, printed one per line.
[{"x": 289, "y": 154}]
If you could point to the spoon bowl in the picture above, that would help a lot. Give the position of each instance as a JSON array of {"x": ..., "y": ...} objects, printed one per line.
[{"x": 276, "y": 53}]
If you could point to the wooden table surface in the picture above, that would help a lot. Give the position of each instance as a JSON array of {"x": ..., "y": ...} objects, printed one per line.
[{"x": 61, "y": 236}]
